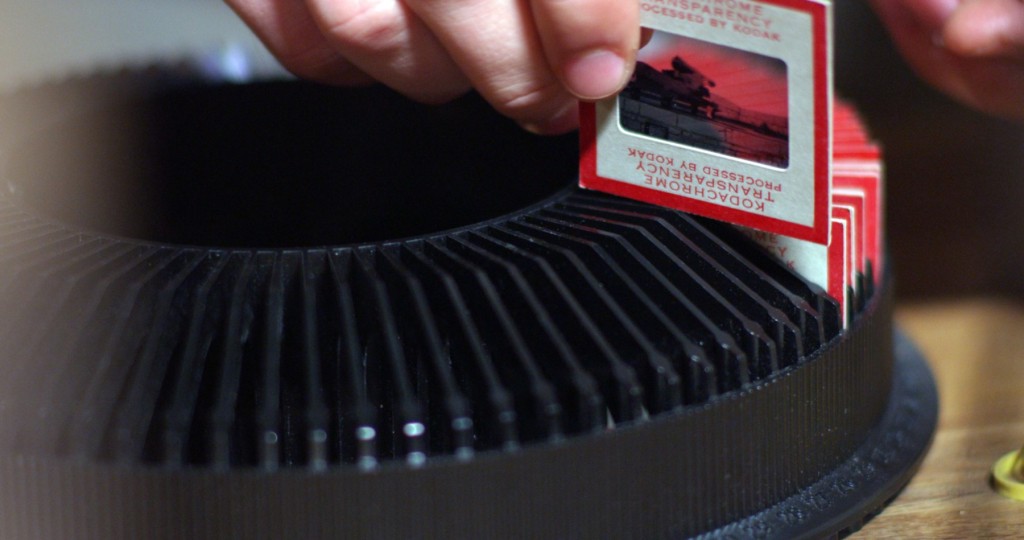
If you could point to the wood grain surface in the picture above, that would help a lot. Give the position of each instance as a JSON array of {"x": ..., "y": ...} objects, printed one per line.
[{"x": 976, "y": 350}]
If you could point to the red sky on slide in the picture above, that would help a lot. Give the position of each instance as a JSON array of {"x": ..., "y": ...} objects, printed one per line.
[{"x": 751, "y": 81}]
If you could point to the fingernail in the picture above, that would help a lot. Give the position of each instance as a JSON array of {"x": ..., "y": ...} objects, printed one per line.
[
  {"x": 595, "y": 74},
  {"x": 646, "y": 35},
  {"x": 564, "y": 121}
]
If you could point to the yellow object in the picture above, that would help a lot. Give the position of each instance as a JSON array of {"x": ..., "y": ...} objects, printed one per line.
[{"x": 1008, "y": 475}]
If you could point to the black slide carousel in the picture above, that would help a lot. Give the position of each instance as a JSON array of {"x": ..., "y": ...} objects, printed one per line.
[{"x": 278, "y": 310}]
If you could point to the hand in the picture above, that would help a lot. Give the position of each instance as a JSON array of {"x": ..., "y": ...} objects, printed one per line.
[
  {"x": 971, "y": 49},
  {"x": 531, "y": 59}
]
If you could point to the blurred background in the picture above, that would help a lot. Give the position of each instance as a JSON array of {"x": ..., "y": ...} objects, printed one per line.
[{"x": 955, "y": 176}]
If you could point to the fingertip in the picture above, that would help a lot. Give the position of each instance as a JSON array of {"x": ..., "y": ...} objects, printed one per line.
[
  {"x": 595, "y": 74},
  {"x": 986, "y": 28},
  {"x": 589, "y": 44}
]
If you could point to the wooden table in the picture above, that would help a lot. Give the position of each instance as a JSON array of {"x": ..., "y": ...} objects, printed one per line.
[{"x": 976, "y": 350}]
